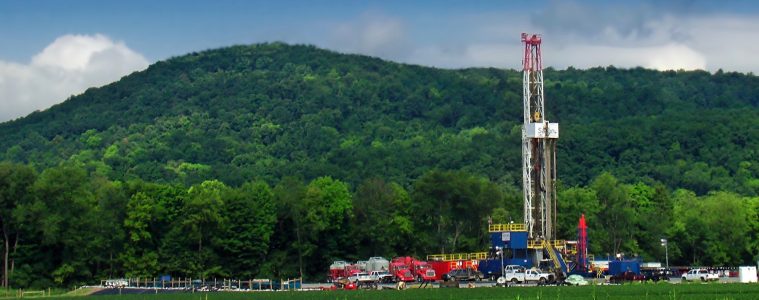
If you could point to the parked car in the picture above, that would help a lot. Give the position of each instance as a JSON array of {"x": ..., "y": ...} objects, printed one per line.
[
  {"x": 363, "y": 277},
  {"x": 575, "y": 279},
  {"x": 656, "y": 275},
  {"x": 627, "y": 276},
  {"x": 467, "y": 274},
  {"x": 700, "y": 274}
]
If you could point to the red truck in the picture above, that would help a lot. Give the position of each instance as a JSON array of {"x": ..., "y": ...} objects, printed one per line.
[
  {"x": 416, "y": 269},
  {"x": 401, "y": 271}
]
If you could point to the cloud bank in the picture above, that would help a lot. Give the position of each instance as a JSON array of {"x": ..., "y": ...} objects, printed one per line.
[
  {"x": 68, "y": 66},
  {"x": 579, "y": 34}
]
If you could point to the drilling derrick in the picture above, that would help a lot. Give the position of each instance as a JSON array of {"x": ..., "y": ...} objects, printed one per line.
[{"x": 539, "y": 138}]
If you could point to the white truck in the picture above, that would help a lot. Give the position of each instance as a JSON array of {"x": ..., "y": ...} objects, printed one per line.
[
  {"x": 362, "y": 277},
  {"x": 699, "y": 274},
  {"x": 525, "y": 276},
  {"x": 382, "y": 276}
]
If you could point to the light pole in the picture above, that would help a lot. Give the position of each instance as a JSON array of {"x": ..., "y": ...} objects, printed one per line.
[
  {"x": 666, "y": 252},
  {"x": 500, "y": 253}
]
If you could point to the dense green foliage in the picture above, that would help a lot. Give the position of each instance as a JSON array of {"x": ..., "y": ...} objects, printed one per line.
[
  {"x": 272, "y": 160},
  {"x": 273, "y": 110}
]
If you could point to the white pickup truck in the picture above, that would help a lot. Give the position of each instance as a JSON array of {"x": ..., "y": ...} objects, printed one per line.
[
  {"x": 362, "y": 277},
  {"x": 374, "y": 276},
  {"x": 700, "y": 274},
  {"x": 519, "y": 276},
  {"x": 382, "y": 276}
]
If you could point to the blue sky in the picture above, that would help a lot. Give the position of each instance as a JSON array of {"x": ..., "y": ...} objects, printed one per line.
[{"x": 50, "y": 50}]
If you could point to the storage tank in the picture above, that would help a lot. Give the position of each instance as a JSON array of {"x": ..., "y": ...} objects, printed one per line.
[
  {"x": 361, "y": 264},
  {"x": 338, "y": 265},
  {"x": 377, "y": 264}
]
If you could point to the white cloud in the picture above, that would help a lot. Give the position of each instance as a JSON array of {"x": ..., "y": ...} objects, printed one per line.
[
  {"x": 640, "y": 34},
  {"x": 68, "y": 66},
  {"x": 580, "y": 34},
  {"x": 661, "y": 57},
  {"x": 371, "y": 34}
]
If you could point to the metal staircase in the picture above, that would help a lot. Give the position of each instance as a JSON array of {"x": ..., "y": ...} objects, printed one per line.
[{"x": 558, "y": 261}]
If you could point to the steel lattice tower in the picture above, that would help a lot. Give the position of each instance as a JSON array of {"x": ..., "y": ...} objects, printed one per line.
[{"x": 538, "y": 147}]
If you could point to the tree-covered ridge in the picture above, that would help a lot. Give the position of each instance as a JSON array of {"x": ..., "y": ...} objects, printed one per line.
[
  {"x": 272, "y": 110},
  {"x": 272, "y": 160}
]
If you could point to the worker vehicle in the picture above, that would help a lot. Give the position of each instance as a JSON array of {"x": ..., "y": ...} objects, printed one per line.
[
  {"x": 423, "y": 271},
  {"x": 575, "y": 279},
  {"x": 532, "y": 275},
  {"x": 381, "y": 276},
  {"x": 656, "y": 275},
  {"x": 492, "y": 268},
  {"x": 467, "y": 274},
  {"x": 363, "y": 277},
  {"x": 401, "y": 271},
  {"x": 419, "y": 270},
  {"x": 700, "y": 274},
  {"x": 427, "y": 274}
]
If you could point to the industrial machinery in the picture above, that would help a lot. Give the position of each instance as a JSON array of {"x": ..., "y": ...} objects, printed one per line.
[
  {"x": 534, "y": 242},
  {"x": 531, "y": 244}
]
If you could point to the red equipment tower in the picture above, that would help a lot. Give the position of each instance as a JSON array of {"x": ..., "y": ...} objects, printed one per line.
[{"x": 582, "y": 245}]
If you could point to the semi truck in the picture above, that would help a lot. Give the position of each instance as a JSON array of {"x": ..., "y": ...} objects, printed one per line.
[{"x": 407, "y": 268}]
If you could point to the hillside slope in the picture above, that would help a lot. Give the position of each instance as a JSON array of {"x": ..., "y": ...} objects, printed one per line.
[{"x": 273, "y": 110}]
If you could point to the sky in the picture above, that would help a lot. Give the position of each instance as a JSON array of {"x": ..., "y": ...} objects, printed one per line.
[{"x": 51, "y": 50}]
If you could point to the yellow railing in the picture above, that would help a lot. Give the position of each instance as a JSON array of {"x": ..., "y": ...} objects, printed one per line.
[
  {"x": 506, "y": 227},
  {"x": 559, "y": 243},
  {"x": 448, "y": 257},
  {"x": 478, "y": 255},
  {"x": 458, "y": 256},
  {"x": 535, "y": 244}
]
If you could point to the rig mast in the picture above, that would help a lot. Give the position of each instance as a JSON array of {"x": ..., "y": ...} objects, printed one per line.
[{"x": 538, "y": 148}]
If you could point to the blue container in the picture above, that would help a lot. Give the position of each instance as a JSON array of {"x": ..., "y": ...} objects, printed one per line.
[
  {"x": 509, "y": 239},
  {"x": 620, "y": 266},
  {"x": 518, "y": 240},
  {"x": 490, "y": 267},
  {"x": 496, "y": 240}
]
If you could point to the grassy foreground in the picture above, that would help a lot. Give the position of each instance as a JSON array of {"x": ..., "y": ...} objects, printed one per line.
[{"x": 637, "y": 292}]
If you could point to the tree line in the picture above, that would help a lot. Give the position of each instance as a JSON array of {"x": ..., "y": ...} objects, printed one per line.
[{"x": 66, "y": 225}]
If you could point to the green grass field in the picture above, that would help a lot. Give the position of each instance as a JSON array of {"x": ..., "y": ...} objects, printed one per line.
[{"x": 637, "y": 292}]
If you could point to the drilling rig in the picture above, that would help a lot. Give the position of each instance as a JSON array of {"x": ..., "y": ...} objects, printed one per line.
[
  {"x": 539, "y": 138},
  {"x": 532, "y": 244}
]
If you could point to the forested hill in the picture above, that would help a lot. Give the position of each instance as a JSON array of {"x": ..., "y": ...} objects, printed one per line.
[
  {"x": 270, "y": 110},
  {"x": 271, "y": 161}
]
